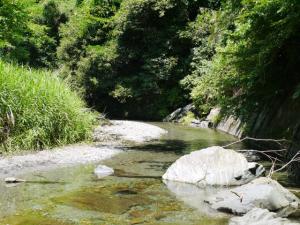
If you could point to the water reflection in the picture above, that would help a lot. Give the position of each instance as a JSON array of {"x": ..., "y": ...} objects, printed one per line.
[{"x": 194, "y": 196}]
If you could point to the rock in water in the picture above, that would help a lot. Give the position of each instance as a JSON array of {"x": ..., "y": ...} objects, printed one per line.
[
  {"x": 259, "y": 216},
  {"x": 179, "y": 113},
  {"x": 103, "y": 171},
  {"x": 213, "y": 166},
  {"x": 11, "y": 180},
  {"x": 262, "y": 192}
]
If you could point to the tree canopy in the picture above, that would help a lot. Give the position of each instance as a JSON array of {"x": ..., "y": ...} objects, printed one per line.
[{"x": 144, "y": 58}]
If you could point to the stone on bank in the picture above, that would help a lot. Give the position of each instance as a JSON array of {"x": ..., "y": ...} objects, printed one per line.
[{"x": 213, "y": 166}]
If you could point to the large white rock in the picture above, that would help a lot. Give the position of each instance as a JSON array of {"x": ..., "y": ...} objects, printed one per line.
[
  {"x": 213, "y": 166},
  {"x": 259, "y": 216},
  {"x": 262, "y": 193}
]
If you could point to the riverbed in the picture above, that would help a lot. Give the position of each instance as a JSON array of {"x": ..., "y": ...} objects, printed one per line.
[{"x": 135, "y": 194}]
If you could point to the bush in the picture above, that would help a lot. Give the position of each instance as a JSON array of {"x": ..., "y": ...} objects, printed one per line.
[{"x": 47, "y": 113}]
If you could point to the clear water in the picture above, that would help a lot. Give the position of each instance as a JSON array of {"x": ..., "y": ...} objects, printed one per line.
[{"x": 134, "y": 195}]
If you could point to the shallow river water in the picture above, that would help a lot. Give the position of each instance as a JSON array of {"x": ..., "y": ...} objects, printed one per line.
[{"x": 135, "y": 194}]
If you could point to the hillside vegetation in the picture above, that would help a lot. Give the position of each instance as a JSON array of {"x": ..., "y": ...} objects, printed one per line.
[
  {"x": 37, "y": 108},
  {"x": 141, "y": 59}
]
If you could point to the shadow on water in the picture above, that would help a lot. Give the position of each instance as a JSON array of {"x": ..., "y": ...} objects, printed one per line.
[
  {"x": 176, "y": 146},
  {"x": 182, "y": 139}
]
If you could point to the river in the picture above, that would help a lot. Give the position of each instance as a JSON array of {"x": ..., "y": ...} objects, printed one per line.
[{"x": 135, "y": 194}]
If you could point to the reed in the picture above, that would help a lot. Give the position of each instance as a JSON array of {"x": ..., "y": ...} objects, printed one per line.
[{"x": 46, "y": 111}]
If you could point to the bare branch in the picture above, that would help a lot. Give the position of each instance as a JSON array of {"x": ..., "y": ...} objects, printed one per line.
[
  {"x": 278, "y": 141},
  {"x": 294, "y": 159},
  {"x": 239, "y": 196},
  {"x": 272, "y": 169}
]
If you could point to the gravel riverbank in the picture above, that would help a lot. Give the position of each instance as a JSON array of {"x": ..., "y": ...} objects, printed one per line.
[{"x": 80, "y": 154}]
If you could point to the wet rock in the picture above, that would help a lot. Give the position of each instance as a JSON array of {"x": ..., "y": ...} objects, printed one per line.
[
  {"x": 258, "y": 216},
  {"x": 231, "y": 125},
  {"x": 213, "y": 166},
  {"x": 103, "y": 171},
  {"x": 195, "y": 123},
  {"x": 262, "y": 192},
  {"x": 13, "y": 180},
  {"x": 213, "y": 114},
  {"x": 179, "y": 113},
  {"x": 201, "y": 124}
]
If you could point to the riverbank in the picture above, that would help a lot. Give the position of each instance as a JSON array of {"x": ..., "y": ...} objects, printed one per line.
[{"x": 108, "y": 142}]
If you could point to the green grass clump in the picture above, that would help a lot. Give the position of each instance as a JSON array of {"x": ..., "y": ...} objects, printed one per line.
[{"x": 47, "y": 113}]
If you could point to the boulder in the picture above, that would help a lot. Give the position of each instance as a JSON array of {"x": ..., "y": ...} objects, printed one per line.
[
  {"x": 103, "y": 171},
  {"x": 262, "y": 192},
  {"x": 258, "y": 216},
  {"x": 179, "y": 113},
  {"x": 213, "y": 114},
  {"x": 231, "y": 125},
  {"x": 213, "y": 166}
]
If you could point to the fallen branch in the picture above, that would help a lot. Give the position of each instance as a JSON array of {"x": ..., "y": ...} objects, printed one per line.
[
  {"x": 267, "y": 153},
  {"x": 294, "y": 159},
  {"x": 239, "y": 196}
]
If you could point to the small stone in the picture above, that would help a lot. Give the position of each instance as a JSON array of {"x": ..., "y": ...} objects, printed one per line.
[{"x": 103, "y": 171}]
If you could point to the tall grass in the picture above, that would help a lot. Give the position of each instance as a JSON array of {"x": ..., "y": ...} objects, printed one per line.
[{"x": 47, "y": 113}]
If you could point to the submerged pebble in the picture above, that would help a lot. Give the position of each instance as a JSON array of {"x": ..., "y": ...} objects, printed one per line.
[{"x": 103, "y": 171}]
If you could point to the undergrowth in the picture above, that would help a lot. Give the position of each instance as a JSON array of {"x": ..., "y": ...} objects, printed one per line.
[{"x": 46, "y": 112}]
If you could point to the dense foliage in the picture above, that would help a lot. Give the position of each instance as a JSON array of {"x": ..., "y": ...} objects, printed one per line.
[
  {"x": 129, "y": 57},
  {"x": 255, "y": 58},
  {"x": 143, "y": 58},
  {"x": 29, "y": 30},
  {"x": 37, "y": 109}
]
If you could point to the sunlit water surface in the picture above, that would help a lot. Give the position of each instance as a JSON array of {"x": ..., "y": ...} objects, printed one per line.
[{"x": 134, "y": 195}]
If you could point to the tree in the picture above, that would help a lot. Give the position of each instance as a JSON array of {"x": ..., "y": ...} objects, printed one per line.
[{"x": 13, "y": 31}]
